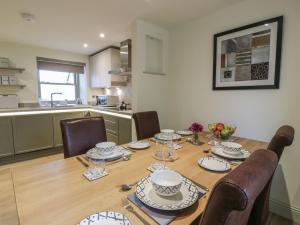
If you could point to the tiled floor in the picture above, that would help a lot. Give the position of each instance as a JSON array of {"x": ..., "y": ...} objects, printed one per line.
[{"x": 273, "y": 219}]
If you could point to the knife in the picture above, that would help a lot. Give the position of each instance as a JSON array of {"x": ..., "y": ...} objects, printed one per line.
[
  {"x": 199, "y": 185},
  {"x": 82, "y": 162}
]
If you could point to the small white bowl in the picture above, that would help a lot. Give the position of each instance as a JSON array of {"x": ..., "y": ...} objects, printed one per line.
[
  {"x": 166, "y": 182},
  {"x": 105, "y": 148},
  {"x": 231, "y": 148},
  {"x": 167, "y": 131}
]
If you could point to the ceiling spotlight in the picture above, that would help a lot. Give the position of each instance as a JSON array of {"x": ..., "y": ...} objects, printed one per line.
[
  {"x": 102, "y": 35},
  {"x": 28, "y": 17},
  {"x": 85, "y": 45},
  {"x": 266, "y": 24}
]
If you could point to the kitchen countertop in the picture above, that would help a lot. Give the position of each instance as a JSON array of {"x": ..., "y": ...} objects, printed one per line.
[{"x": 68, "y": 108}]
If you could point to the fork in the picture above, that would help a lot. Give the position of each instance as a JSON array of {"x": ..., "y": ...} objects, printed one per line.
[{"x": 129, "y": 208}]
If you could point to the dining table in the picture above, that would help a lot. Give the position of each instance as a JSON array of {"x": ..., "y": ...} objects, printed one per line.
[{"x": 56, "y": 192}]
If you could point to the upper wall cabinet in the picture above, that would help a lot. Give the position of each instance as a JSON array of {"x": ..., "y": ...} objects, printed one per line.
[{"x": 100, "y": 65}]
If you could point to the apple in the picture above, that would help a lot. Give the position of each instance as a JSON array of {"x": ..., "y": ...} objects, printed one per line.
[
  {"x": 225, "y": 133},
  {"x": 220, "y": 126}
]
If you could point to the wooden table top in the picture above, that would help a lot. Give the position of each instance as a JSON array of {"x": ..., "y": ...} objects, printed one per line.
[{"x": 56, "y": 193}]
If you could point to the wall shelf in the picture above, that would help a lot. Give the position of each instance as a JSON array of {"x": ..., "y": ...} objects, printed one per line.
[
  {"x": 15, "y": 86},
  {"x": 11, "y": 69}
]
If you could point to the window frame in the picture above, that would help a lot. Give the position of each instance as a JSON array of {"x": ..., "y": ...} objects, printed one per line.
[{"x": 76, "y": 84}]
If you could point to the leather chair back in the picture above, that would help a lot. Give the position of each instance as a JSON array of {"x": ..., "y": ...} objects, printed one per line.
[
  {"x": 146, "y": 124},
  {"x": 232, "y": 198},
  {"x": 80, "y": 135},
  {"x": 283, "y": 137}
]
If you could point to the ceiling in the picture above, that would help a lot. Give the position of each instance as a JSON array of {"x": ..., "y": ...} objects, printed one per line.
[{"x": 67, "y": 24}]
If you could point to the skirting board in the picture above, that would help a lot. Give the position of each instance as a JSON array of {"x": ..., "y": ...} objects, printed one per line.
[{"x": 285, "y": 210}]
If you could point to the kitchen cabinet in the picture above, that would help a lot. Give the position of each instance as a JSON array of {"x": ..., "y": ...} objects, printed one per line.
[
  {"x": 125, "y": 132},
  {"x": 32, "y": 132},
  {"x": 56, "y": 124},
  {"x": 118, "y": 129},
  {"x": 6, "y": 137},
  {"x": 100, "y": 65}
]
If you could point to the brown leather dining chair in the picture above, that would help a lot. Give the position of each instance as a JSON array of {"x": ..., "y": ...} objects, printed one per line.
[
  {"x": 80, "y": 135},
  {"x": 284, "y": 137},
  {"x": 146, "y": 124},
  {"x": 232, "y": 198}
]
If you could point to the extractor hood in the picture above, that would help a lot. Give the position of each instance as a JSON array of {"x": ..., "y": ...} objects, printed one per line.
[{"x": 125, "y": 58}]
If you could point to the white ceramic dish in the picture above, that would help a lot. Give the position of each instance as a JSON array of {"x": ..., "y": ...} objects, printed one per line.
[
  {"x": 166, "y": 182},
  {"x": 167, "y": 131},
  {"x": 139, "y": 145},
  {"x": 218, "y": 150},
  {"x": 184, "y": 132},
  {"x": 105, "y": 148},
  {"x": 117, "y": 153},
  {"x": 167, "y": 137},
  {"x": 187, "y": 196},
  {"x": 106, "y": 218},
  {"x": 231, "y": 148},
  {"x": 214, "y": 164}
]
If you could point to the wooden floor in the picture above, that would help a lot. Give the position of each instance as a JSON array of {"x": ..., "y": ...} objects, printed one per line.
[{"x": 273, "y": 219}]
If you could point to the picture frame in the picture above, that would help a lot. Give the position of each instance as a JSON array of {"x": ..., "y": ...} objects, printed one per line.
[{"x": 248, "y": 57}]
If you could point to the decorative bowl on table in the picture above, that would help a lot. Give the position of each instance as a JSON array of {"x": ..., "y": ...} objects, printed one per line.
[
  {"x": 231, "y": 148},
  {"x": 221, "y": 130},
  {"x": 105, "y": 148},
  {"x": 166, "y": 182}
]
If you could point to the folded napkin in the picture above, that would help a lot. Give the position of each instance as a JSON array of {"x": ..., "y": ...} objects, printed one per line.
[{"x": 92, "y": 174}]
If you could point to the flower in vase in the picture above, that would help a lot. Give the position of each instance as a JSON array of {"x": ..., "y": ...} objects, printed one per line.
[{"x": 196, "y": 127}]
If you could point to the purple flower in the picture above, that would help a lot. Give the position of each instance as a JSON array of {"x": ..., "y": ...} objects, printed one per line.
[{"x": 196, "y": 127}]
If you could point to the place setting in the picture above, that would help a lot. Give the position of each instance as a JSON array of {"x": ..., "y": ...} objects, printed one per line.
[
  {"x": 104, "y": 153},
  {"x": 224, "y": 155},
  {"x": 164, "y": 194}
]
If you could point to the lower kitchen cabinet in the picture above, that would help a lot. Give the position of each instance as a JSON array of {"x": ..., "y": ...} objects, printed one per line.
[
  {"x": 56, "y": 124},
  {"x": 118, "y": 129},
  {"x": 112, "y": 137},
  {"x": 124, "y": 131},
  {"x": 6, "y": 137},
  {"x": 32, "y": 132}
]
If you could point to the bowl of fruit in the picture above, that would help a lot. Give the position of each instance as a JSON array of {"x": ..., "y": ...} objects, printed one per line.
[{"x": 221, "y": 130}]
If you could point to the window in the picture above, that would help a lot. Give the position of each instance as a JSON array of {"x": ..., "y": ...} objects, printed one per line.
[
  {"x": 62, "y": 82},
  {"x": 57, "y": 76}
]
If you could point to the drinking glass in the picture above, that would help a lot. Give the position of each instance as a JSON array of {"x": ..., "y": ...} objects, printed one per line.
[
  {"x": 97, "y": 166},
  {"x": 159, "y": 161}
]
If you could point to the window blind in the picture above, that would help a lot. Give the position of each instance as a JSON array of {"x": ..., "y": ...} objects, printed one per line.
[{"x": 60, "y": 65}]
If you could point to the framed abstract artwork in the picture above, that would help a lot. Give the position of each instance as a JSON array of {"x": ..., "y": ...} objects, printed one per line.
[{"x": 248, "y": 57}]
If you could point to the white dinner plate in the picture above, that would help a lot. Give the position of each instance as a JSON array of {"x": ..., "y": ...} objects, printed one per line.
[
  {"x": 187, "y": 196},
  {"x": 218, "y": 150},
  {"x": 139, "y": 145},
  {"x": 214, "y": 164},
  {"x": 184, "y": 132},
  {"x": 167, "y": 137},
  {"x": 106, "y": 218},
  {"x": 117, "y": 153}
]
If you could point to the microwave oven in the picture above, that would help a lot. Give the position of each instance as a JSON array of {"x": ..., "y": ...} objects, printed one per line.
[{"x": 107, "y": 100}]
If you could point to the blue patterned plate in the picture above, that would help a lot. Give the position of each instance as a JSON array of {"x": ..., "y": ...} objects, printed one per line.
[
  {"x": 187, "y": 196},
  {"x": 106, "y": 218}
]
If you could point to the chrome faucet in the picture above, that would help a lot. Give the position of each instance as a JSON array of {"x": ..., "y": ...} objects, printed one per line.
[{"x": 54, "y": 93}]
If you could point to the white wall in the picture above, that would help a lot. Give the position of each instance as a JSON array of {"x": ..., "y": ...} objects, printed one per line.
[
  {"x": 257, "y": 113},
  {"x": 24, "y": 56},
  {"x": 148, "y": 90}
]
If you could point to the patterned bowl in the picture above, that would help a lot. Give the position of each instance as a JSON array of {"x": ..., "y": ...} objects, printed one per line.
[
  {"x": 105, "y": 148},
  {"x": 166, "y": 182},
  {"x": 231, "y": 148}
]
